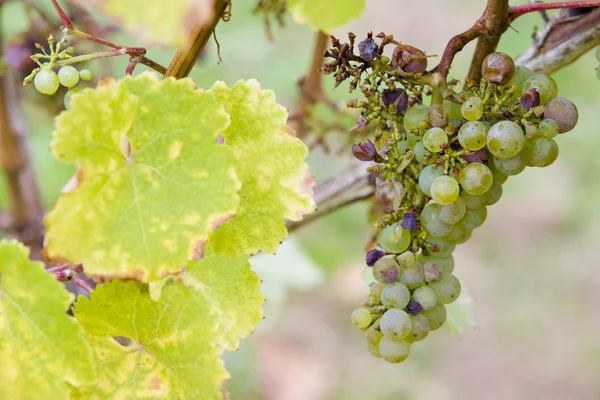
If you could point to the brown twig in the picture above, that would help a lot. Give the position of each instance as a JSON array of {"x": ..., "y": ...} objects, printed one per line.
[
  {"x": 517, "y": 11},
  {"x": 310, "y": 85},
  {"x": 186, "y": 56},
  {"x": 457, "y": 43}
]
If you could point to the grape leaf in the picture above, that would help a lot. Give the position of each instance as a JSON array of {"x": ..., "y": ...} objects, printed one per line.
[
  {"x": 326, "y": 16},
  {"x": 157, "y": 21},
  {"x": 235, "y": 290},
  {"x": 41, "y": 347},
  {"x": 174, "y": 351},
  {"x": 276, "y": 183},
  {"x": 152, "y": 181}
]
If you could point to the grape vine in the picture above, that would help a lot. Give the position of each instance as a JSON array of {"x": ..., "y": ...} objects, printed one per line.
[{"x": 177, "y": 187}]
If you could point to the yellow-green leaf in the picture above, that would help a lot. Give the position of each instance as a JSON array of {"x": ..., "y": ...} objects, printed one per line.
[
  {"x": 235, "y": 290},
  {"x": 173, "y": 353},
  {"x": 328, "y": 15},
  {"x": 151, "y": 183},
  {"x": 42, "y": 349},
  {"x": 276, "y": 184}
]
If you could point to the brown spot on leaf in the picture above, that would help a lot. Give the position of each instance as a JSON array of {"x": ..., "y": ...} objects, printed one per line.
[{"x": 74, "y": 182}]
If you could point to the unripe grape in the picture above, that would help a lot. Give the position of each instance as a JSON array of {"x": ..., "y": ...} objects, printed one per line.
[
  {"x": 361, "y": 318},
  {"x": 453, "y": 212},
  {"x": 386, "y": 270},
  {"x": 68, "y": 76},
  {"x": 436, "y": 317},
  {"x": 443, "y": 264},
  {"x": 474, "y": 218},
  {"x": 473, "y": 135},
  {"x": 414, "y": 116},
  {"x": 540, "y": 152},
  {"x": 564, "y": 112},
  {"x": 505, "y": 139},
  {"x": 425, "y": 296},
  {"x": 499, "y": 177},
  {"x": 412, "y": 277},
  {"x": 395, "y": 323},
  {"x": 444, "y": 190},
  {"x": 375, "y": 290},
  {"x": 472, "y": 202},
  {"x": 439, "y": 247},
  {"x": 395, "y": 295},
  {"x": 437, "y": 116},
  {"x": 374, "y": 337},
  {"x": 46, "y": 81},
  {"x": 459, "y": 234},
  {"x": 430, "y": 220},
  {"x": 447, "y": 289},
  {"x": 409, "y": 58},
  {"x": 420, "y": 328},
  {"x": 545, "y": 86},
  {"x": 522, "y": 73},
  {"x": 420, "y": 152},
  {"x": 394, "y": 351},
  {"x": 429, "y": 174},
  {"x": 435, "y": 140},
  {"x": 85, "y": 74},
  {"x": 549, "y": 128},
  {"x": 498, "y": 68},
  {"x": 406, "y": 259},
  {"x": 472, "y": 109},
  {"x": 394, "y": 238},
  {"x": 510, "y": 166},
  {"x": 494, "y": 194},
  {"x": 476, "y": 179}
]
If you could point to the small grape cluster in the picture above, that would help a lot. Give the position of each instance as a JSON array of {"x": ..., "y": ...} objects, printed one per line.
[
  {"x": 44, "y": 77},
  {"x": 444, "y": 164}
]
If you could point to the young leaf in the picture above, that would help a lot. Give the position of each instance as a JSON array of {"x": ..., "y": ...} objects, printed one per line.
[
  {"x": 276, "y": 183},
  {"x": 235, "y": 290},
  {"x": 152, "y": 181},
  {"x": 175, "y": 343},
  {"x": 326, "y": 16},
  {"x": 41, "y": 347}
]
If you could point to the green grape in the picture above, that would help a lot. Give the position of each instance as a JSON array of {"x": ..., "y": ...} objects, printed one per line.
[
  {"x": 402, "y": 146},
  {"x": 386, "y": 270},
  {"x": 444, "y": 264},
  {"x": 510, "y": 166},
  {"x": 406, "y": 259},
  {"x": 505, "y": 139},
  {"x": 474, "y": 218},
  {"x": 476, "y": 179},
  {"x": 473, "y": 135},
  {"x": 69, "y": 95},
  {"x": 564, "y": 112},
  {"x": 414, "y": 116},
  {"x": 548, "y": 128},
  {"x": 444, "y": 190},
  {"x": 472, "y": 202},
  {"x": 395, "y": 323},
  {"x": 437, "y": 115},
  {"x": 375, "y": 290},
  {"x": 420, "y": 328},
  {"x": 374, "y": 336},
  {"x": 459, "y": 234},
  {"x": 430, "y": 219},
  {"x": 361, "y": 318},
  {"x": 435, "y": 140},
  {"x": 545, "y": 86},
  {"x": 68, "y": 76},
  {"x": 499, "y": 177},
  {"x": 522, "y": 73},
  {"x": 493, "y": 195},
  {"x": 442, "y": 248},
  {"x": 394, "y": 238},
  {"x": 453, "y": 212},
  {"x": 46, "y": 81},
  {"x": 436, "y": 317},
  {"x": 412, "y": 277},
  {"x": 453, "y": 108},
  {"x": 85, "y": 74},
  {"x": 472, "y": 109},
  {"x": 541, "y": 152},
  {"x": 447, "y": 288},
  {"x": 419, "y": 152},
  {"x": 395, "y": 295},
  {"x": 425, "y": 296},
  {"x": 427, "y": 176},
  {"x": 394, "y": 351}
]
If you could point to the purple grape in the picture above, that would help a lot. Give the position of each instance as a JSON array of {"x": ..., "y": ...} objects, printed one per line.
[
  {"x": 364, "y": 151},
  {"x": 414, "y": 308},
  {"x": 409, "y": 221},
  {"x": 409, "y": 58},
  {"x": 564, "y": 112},
  {"x": 530, "y": 99},
  {"x": 368, "y": 49},
  {"x": 479, "y": 156},
  {"x": 373, "y": 256},
  {"x": 397, "y": 97},
  {"x": 498, "y": 68}
]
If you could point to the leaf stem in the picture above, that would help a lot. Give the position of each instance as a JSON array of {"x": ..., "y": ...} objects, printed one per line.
[{"x": 517, "y": 11}]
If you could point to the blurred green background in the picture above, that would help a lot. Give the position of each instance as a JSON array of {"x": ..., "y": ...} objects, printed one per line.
[{"x": 531, "y": 271}]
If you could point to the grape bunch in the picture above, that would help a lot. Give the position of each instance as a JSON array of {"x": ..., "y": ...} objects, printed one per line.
[{"x": 443, "y": 164}]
